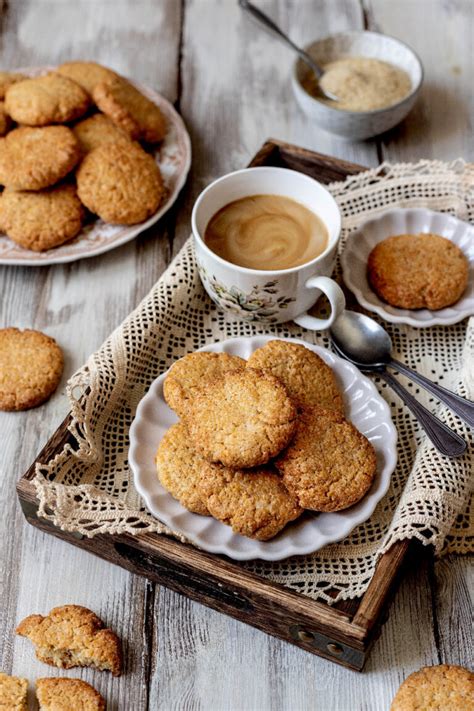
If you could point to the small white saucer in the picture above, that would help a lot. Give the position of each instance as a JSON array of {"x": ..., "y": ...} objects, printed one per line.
[
  {"x": 364, "y": 407},
  {"x": 407, "y": 221}
]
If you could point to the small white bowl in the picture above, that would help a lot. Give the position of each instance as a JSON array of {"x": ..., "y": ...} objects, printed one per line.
[
  {"x": 407, "y": 221},
  {"x": 357, "y": 125}
]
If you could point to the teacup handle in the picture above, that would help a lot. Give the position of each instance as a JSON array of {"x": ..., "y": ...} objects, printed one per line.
[{"x": 335, "y": 297}]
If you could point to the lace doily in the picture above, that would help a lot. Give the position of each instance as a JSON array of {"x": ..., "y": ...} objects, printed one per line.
[{"x": 88, "y": 488}]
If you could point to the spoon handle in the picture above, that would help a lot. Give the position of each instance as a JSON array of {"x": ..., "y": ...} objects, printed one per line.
[
  {"x": 462, "y": 407},
  {"x": 270, "y": 25},
  {"x": 444, "y": 439}
]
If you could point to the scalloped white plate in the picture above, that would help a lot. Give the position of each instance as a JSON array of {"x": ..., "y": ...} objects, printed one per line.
[
  {"x": 407, "y": 221},
  {"x": 364, "y": 406},
  {"x": 173, "y": 156}
]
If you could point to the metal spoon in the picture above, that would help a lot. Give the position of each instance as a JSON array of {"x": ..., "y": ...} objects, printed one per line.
[
  {"x": 362, "y": 341},
  {"x": 304, "y": 56}
]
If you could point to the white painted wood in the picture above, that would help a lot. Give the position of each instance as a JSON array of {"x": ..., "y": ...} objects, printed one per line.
[{"x": 232, "y": 84}]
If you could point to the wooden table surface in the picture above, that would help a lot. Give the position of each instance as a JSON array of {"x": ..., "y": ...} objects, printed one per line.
[{"x": 230, "y": 81}]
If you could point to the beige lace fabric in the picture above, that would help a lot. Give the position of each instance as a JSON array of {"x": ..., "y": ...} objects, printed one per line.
[{"x": 89, "y": 489}]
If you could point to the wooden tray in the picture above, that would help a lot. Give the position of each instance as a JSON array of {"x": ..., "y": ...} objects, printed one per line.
[{"x": 343, "y": 632}]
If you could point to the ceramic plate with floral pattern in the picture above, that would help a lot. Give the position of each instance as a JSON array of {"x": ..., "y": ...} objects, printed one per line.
[{"x": 173, "y": 156}]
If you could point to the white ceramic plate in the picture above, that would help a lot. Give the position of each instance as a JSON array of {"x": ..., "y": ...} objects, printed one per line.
[
  {"x": 364, "y": 406},
  {"x": 173, "y": 157},
  {"x": 407, "y": 221}
]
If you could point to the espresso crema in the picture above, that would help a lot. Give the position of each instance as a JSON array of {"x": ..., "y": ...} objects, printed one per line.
[{"x": 268, "y": 232}]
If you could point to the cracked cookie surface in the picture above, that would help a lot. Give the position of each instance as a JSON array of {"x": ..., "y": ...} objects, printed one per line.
[
  {"x": 329, "y": 465},
  {"x": 444, "y": 687},
  {"x": 241, "y": 419},
  {"x": 308, "y": 379},
  {"x": 67, "y": 694}
]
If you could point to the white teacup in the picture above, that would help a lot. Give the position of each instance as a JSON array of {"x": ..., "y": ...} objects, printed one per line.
[{"x": 278, "y": 295}]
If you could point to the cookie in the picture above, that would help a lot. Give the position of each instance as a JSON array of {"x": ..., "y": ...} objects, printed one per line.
[
  {"x": 122, "y": 184},
  {"x": 7, "y": 79},
  {"x": 68, "y": 695},
  {"x": 73, "y": 636},
  {"x": 31, "y": 365},
  {"x": 187, "y": 375},
  {"x": 254, "y": 502},
  {"x": 43, "y": 219},
  {"x": 86, "y": 74},
  {"x": 35, "y": 158},
  {"x": 179, "y": 467},
  {"x": 423, "y": 271},
  {"x": 329, "y": 465},
  {"x": 139, "y": 117},
  {"x": 241, "y": 419},
  {"x": 13, "y": 693},
  {"x": 305, "y": 375},
  {"x": 47, "y": 99},
  {"x": 440, "y": 688},
  {"x": 5, "y": 120},
  {"x": 97, "y": 130}
]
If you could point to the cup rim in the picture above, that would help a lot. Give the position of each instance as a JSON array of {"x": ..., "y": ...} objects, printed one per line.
[
  {"x": 248, "y": 270},
  {"x": 373, "y": 112}
]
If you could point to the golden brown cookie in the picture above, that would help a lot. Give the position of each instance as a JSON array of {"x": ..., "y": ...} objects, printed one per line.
[
  {"x": 304, "y": 374},
  {"x": 5, "y": 120},
  {"x": 129, "y": 109},
  {"x": 46, "y": 99},
  {"x": 7, "y": 79},
  {"x": 73, "y": 636},
  {"x": 13, "y": 693},
  {"x": 120, "y": 183},
  {"x": 35, "y": 158},
  {"x": 31, "y": 365},
  {"x": 97, "y": 130},
  {"x": 418, "y": 271},
  {"x": 68, "y": 695},
  {"x": 87, "y": 74},
  {"x": 179, "y": 467},
  {"x": 241, "y": 419},
  {"x": 329, "y": 465},
  {"x": 188, "y": 374},
  {"x": 440, "y": 688},
  {"x": 254, "y": 502},
  {"x": 43, "y": 219}
]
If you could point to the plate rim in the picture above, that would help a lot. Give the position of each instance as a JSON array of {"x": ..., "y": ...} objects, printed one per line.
[
  {"x": 380, "y": 309},
  {"x": 389, "y": 450},
  {"x": 135, "y": 230}
]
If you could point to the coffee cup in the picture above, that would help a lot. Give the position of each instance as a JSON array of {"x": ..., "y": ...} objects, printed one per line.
[{"x": 261, "y": 295}]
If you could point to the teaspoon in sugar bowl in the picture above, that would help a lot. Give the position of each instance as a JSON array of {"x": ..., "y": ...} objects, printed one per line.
[
  {"x": 304, "y": 56},
  {"x": 362, "y": 341}
]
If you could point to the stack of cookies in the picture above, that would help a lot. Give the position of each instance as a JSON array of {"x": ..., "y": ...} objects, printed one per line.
[
  {"x": 71, "y": 141},
  {"x": 259, "y": 441}
]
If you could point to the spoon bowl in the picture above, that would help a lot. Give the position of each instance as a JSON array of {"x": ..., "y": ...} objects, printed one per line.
[{"x": 362, "y": 340}]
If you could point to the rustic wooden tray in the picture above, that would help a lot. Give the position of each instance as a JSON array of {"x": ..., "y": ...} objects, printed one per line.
[{"x": 343, "y": 632}]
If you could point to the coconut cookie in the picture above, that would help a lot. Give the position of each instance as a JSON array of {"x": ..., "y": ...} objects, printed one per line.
[
  {"x": 87, "y": 74},
  {"x": 68, "y": 695},
  {"x": 43, "y": 219},
  {"x": 189, "y": 373},
  {"x": 7, "y": 79},
  {"x": 423, "y": 271},
  {"x": 73, "y": 636},
  {"x": 35, "y": 158},
  {"x": 440, "y": 688},
  {"x": 31, "y": 365},
  {"x": 13, "y": 693},
  {"x": 254, "y": 502},
  {"x": 120, "y": 183},
  {"x": 305, "y": 375},
  {"x": 97, "y": 130},
  {"x": 46, "y": 99},
  {"x": 241, "y": 419},
  {"x": 130, "y": 110},
  {"x": 179, "y": 468},
  {"x": 329, "y": 465}
]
